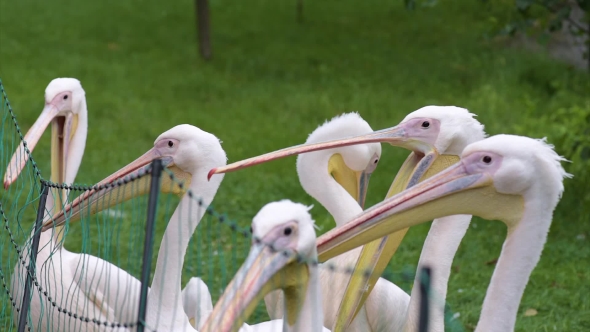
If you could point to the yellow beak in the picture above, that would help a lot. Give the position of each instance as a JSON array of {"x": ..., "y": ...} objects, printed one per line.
[
  {"x": 355, "y": 183},
  {"x": 63, "y": 129},
  {"x": 263, "y": 271},
  {"x": 453, "y": 191},
  {"x": 376, "y": 255}
]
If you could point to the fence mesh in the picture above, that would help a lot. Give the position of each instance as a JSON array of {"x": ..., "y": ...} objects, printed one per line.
[{"x": 87, "y": 274}]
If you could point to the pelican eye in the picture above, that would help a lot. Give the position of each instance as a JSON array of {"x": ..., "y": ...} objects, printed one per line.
[
  {"x": 170, "y": 143},
  {"x": 376, "y": 161},
  {"x": 425, "y": 124},
  {"x": 486, "y": 159},
  {"x": 65, "y": 97},
  {"x": 287, "y": 231}
]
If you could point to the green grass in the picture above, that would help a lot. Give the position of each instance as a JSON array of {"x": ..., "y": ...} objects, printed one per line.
[{"x": 273, "y": 81}]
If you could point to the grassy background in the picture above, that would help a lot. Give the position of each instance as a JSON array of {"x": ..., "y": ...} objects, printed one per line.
[{"x": 273, "y": 81}]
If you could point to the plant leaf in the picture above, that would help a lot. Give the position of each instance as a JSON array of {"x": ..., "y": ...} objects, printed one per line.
[{"x": 523, "y": 5}]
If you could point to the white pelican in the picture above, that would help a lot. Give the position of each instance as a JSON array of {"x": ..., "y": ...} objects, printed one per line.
[
  {"x": 282, "y": 256},
  {"x": 515, "y": 179},
  {"x": 188, "y": 152},
  {"x": 428, "y": 132},
  {"x": 67, "y": 279}
]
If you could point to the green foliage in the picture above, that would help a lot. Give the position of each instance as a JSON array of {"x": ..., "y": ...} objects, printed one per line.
[
  {"x": 540, "y": 17},
  {"x": 546, "y": 15},
  {"x": 572, "y": 134},
  {"x": 411, "y": 4},
  {"x": 533, "y": 17},
  {"x": 568, "y": 128}
]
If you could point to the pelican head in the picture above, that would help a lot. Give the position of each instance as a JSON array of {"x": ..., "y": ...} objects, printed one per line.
[
  {"x": 503, "y": 177},
  {"x": 283, "y": 241},
  {"x": 185, "y": 150},
  {"x": 453, "y": 128},
  {"x": 351, "y": 166},
  {"x": 65, "y": 104}
]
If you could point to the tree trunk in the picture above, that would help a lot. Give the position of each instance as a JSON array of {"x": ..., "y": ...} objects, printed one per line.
[
  {"x": 299, "y": 11},
  {"x": 203, "y": 30}
]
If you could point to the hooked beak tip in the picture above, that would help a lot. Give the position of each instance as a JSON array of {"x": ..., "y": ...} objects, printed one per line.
[
  {"x": 6, "y": 184},
  {"x": 211, "y": 172}
]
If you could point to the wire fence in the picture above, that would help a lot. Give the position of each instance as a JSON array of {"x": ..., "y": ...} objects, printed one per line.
[{"x": 118, "y": 263}]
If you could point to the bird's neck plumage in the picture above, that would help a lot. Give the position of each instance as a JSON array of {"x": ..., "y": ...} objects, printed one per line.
[
  {"x": 440, "y": 246},
  {"x": 312, "y": 169},
  {"x": 311, "y": 318},
  {"x": 520, "y": 254},
  {"x": 439, "y": 249},
  {"x": 164, "y": 299}
]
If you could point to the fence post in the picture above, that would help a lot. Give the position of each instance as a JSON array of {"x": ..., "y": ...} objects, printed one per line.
[
  {"x": 425, "y": 273},
  {"x": 24, "y": 309},
  {"x": 148, "y": 244}
]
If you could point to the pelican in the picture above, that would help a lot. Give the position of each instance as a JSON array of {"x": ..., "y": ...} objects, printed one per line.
[
  {"x": 436, "y": 135},
  {"x": 188, "y": 153},
  {"x": 515, "y": 179},
  {"x": 282, "y": 256},
  {"x": 65, "y": 278}
]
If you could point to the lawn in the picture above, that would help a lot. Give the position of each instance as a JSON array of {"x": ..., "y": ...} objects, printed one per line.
[{"x": 272, "y": 81}]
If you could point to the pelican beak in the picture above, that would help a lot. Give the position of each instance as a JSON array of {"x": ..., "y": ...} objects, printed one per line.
[
  {"x": 355, "y": 183},
  {"x": 264, "y": 270},
  {"x": 114, "y": 189},
  {"x": 376, "y": 255},
  {"x": 63, "y": 129},
  {"x": 363, "y": 184},
  {"x": 453, "y": 191},
  {"x": 395, "y": 136}
]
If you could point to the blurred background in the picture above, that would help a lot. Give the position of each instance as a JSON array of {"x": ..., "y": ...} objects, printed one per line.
[{"x": 275, "y": 74}]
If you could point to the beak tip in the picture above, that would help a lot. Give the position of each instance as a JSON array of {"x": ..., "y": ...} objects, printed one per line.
[
  {"x": 6, "y": 184},
  {"x": 211, "y": 172}
]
